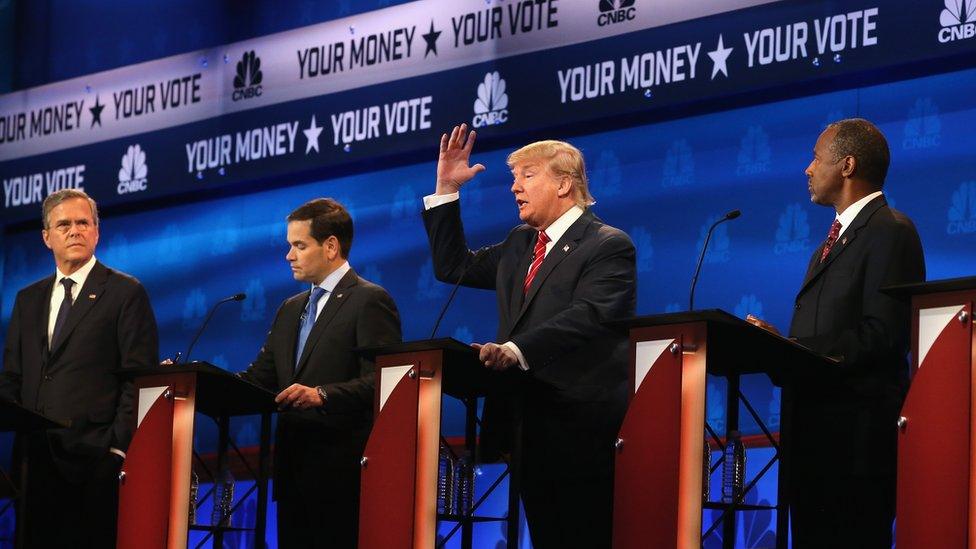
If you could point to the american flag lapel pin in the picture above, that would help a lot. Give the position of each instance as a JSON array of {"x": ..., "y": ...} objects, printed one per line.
[
  {"x": 92, "y": 296},
  {"x": 338, "y": 296},
  {"x": 843, "y": 241}
]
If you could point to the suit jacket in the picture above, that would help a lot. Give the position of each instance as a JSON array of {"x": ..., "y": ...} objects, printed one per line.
[
  {"x": 845, "y": 416},
  {"x": 575, "y": 388},
  {"x": 357, "y": 314},
  {"x": 110, "y": 326}
]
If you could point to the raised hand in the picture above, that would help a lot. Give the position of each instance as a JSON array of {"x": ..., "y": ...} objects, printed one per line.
[{"x": 452, "y": 162}]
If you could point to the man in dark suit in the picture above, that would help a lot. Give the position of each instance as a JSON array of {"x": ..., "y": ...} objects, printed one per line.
[
  {"x": 325, "y": 391},
  {"x": 557, "y": 278},
  {"x": 844, "y": 445},
  {"x": 68, "y": 333}
]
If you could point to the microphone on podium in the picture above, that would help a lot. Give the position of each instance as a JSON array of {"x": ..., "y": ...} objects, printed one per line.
[
  {"x": 474, "y": 260},
  {"x": 236, "y": 297},
  {"x": 694, "y": 280}
]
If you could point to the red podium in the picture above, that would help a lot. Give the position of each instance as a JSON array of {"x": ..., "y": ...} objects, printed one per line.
[
  {"x": 154, "y": 496},
  {"x": 398, "y": 504},
  {"x": 658, "y": 498},
  {"x": 937, "y": 443}
]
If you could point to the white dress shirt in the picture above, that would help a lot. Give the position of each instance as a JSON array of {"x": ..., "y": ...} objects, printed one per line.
[{"x": 847, "y": 216}]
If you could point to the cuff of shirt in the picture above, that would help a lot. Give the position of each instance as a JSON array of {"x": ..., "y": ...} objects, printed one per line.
[
  {"x": 435, "y": 200},
  {"x": 518, "y": 354},
  {"x": 117, "y": 452}
]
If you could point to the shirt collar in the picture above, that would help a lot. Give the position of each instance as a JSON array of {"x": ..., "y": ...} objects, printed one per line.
[
  {"x": 851, "y": 212},
  {"x": 78, "y": 277},
  {"x": 558, "y": 228},
  {"x": 334, "y": 277}
]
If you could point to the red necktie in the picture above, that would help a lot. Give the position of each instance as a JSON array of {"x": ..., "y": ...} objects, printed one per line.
[
  {"x": 831, "y": 239},
  {"x": 537, "y": 256}
]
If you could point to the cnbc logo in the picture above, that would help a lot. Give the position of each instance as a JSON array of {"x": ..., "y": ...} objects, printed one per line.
[
  {"x": 615, "y": 11},
  {"x": 491, "y": 106},
  {"x": 247, "y": 81},
  {"x": 962, "y": 211},
  {"x": 957, "y": 20},
  {"x": 133, "y": 173}
]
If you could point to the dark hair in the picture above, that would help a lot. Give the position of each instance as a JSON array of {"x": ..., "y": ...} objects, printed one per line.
[
  {"x": 863, "y": 140},
  {"x": 329, "y": 218},
  {"x": 58, "y": 197}
]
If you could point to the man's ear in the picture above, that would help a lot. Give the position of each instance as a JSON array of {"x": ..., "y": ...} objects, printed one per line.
[
  {"x": 333, "y": 248},
  {"x": 565, "y": 186},
  {"x": 850, "y": 166}
]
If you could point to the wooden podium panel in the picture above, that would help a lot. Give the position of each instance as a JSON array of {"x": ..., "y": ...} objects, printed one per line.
[
  {"x": 659, "y": 460},
  {"x": 936, "y": 502},
  {"x": 154, "y": 495}
]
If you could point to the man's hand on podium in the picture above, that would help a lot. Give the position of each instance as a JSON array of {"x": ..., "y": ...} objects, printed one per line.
[
  {"x": 495, "y": 356},
  {"x": 762, "y": 324},
  {"x": 298, "y": 397}
]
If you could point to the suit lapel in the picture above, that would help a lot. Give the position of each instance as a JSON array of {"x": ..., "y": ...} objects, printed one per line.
[
  {"x": 816, "y": 267},
  {"x": 564, "y": 246},
  {"x": 43, "y": 309},
  {"x": 89, "y": 294},
  {"x": 518, "y": 278},
  {"x": 337, "y": 299}
]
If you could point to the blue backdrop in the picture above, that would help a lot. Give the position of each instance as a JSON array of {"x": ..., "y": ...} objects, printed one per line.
[{"x": 663, "y": 183}]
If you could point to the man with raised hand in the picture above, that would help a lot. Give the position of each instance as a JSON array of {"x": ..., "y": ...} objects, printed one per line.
[{"x": 558, "y": 277}]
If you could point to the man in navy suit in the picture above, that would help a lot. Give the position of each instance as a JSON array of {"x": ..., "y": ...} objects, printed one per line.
[
  {"x": 843, "y": 451},
  {"x": 68, "y": 334},
  {"x": 557, "y": 278},
  {"x": 324, "y": 389}
]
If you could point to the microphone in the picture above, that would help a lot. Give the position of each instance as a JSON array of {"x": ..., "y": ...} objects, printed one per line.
[
  {"x": 694, "y": 280},
  {"x": 450, "y": 298},
  {"x": 236, "y": 297}
]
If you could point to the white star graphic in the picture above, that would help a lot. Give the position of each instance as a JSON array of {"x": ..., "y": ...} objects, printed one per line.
[
  {"x": 312, "y": 135},
  {"x": 719, "y": 57}
]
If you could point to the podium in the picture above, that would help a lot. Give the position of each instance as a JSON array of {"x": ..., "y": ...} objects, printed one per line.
[
  {"x": 658, "y": 476},
  {"x": 398, "y": 497},
  {"x": 154, "y": 495},
  {"x": 936, "y": 502},
  {"x": 16, "y": 418}
]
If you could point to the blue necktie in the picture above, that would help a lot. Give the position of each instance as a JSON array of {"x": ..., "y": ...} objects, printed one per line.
[
  {"x": 308, "y": 320},
  {"x": 62, "y": 311}
]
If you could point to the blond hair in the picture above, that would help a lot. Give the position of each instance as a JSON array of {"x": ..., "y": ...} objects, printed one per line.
[{"x": 562, "y": 160}]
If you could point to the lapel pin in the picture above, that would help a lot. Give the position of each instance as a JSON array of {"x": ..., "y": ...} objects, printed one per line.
[
  {"x": 566, "y": 248},
  {"x": 92, "y": 296},
  {"x": 338, "y": 296},
  {"x": 843, "y": 241}
]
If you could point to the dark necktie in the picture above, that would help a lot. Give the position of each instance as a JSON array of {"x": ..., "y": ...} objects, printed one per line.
[
  {"x": 538, "y": 254},
  {"x": 63, "y": 310},
  {"x": 831, "y": 239},
  {"x": 308, "y": 320}
]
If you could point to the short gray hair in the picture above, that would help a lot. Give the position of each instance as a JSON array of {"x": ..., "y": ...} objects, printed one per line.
[{"x": 58, "y": 197}]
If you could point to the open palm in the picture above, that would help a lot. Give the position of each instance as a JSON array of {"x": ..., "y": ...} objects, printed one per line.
[{"x": 453, "y": 169}]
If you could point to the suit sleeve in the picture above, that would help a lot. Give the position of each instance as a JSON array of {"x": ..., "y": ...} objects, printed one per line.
[
  {"x": 378, "y": 323},
  {"x": 138, "y": 348},
  {"x": 10, "y": 378},
  {"x": 262, "y": 370},
  {"x": 883, "y": 331},
  {"x": 605, "y": 291},
  {"x": 450, "y": 253}
]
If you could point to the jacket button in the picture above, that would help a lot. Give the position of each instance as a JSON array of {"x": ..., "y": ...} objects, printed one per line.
[{"x": 796, "y": 305}]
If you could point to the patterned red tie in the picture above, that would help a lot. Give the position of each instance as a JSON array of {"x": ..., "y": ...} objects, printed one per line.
[
  {"x": 537, "y": 256},
  {"x": 831, "y": 239}
]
